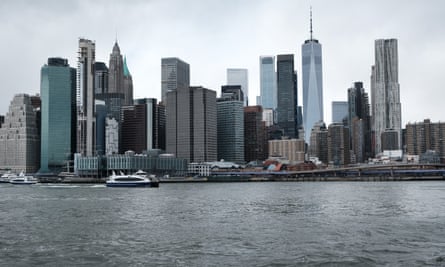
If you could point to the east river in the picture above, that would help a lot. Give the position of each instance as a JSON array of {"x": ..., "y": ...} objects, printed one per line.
[{"x": 224, "y": 224}]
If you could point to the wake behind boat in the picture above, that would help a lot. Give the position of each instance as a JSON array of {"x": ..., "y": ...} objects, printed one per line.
[
  {"x": 22, "y": 179},
  {"x": 138, "y": 179}
]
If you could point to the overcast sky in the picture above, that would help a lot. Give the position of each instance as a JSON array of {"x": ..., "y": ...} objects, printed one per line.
[{"x": 215, "y": 35}]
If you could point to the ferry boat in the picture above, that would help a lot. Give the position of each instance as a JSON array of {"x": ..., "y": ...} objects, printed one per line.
[
  {"x": 138, "y": 179},
  {"x": 22, "y": 179}
]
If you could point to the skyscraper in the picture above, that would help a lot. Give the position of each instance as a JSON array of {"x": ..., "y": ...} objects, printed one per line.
[
  {"x": 140, "y": 126},
  {"x": 268, "y": 82},
  {"x": 287, "y": 95},
  {"x": 191, "y": 124},
  {"x": 175, "y": 74},
  {"x": 128, "y": 85},
  {"x": 58, "y": 115},
  {"x": 116, "y": 71},
  {"x": 236, "y": 76},
  {"x": 359, "y": 122},
  {"x": 312, "y": 83},
  {"x": 339, "y": 111},
  {"x": 19, "y": 136},
  {"x": 385, "y": 91},
  {"x": 255, "y": 139},
  {"x": 230, "y": 120},
  {"x": 86, "y": 128}
]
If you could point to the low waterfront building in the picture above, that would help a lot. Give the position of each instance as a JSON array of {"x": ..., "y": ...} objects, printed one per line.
[{"x": 98, "y": 166}]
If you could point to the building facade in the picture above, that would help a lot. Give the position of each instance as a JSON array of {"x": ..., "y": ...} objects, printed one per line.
[
  {"x": 268, "y": 83},
  {"x": 318, "y": 146},
  {"x": 139, "y": 129},
  {"x": 385, "y": 90},
  {"x": 191, "y": 126},
  {"x": 312, "y": 83},
  {"x": 291, "y": 149},
  {"x": 175, "y": 74},
  {"x": 287, "y": 95},
  {"x": 58, "y": 115},
  {"x": 338, "y": 145},
  {"x": 128, "y": 85},
  {"x": 19, "y": 137},
  {"x": 237, "y": 76},
  {"x": 425, "y": 136},
  {"x": 86, "y": 123},
  {"x": 230, "y": 119},
  {"x": 359, "y": 121},
  {"x": 339, "y": 111},
  {"x": 255, "y": 134}
]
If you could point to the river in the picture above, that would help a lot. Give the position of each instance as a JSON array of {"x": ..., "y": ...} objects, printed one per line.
[{"x": 224, "y": 224}]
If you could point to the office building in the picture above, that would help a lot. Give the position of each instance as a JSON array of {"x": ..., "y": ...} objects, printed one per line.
[
  {"x": 100, "y": 78},
  {"x": 318, "y": 146},
  {"x": 385, "y": 92},
  {"x": 19, "y": 137},
  {"x": 128, "y": 85},
  {"x": 287, "y": 95},
  {"x": 290, "y": 149},
  {"x": 111, "y": 136},
  {"x": 359, "y": 121},
  {"x": 338, "y": 145},
  {"x": 339, "y": 111},
  {"x": 255, "y": 134},
  {"x": 237, "y": 76},
  {"x": 139, "y": 129},
  {"x": 58, "y": 115},
  {"x": 191, "y": 128},
  {"x": 86, "y": 123},
  {"x": 268, "y": 83},
  {"x": 116, "y": 71},
  {"x": 312, "y": 83},
  {"x": 230, "y": 121},
  {"x": 175, "y": 74}
]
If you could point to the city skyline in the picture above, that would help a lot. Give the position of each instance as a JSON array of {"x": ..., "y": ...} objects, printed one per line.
[{"x": 147, "y": 32}]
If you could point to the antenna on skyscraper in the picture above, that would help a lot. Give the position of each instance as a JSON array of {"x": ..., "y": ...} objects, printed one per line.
[{"x": 311, "y": 22}]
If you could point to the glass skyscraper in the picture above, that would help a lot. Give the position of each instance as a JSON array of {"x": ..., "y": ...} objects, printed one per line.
[
  {"x": 268, "y": 82},
  {"x": 58, "y": 115},
  {"x": 287, "y": 95},
  {"x": 239, "y": 77},
  {"x": 312, "y": 84}
]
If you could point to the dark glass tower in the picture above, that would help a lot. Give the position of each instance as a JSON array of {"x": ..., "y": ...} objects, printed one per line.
[
  {"x": 287, "y": 95},
  {"x": 58, "y": 115}
]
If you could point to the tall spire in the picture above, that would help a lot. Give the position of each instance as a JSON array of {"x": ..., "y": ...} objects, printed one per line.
[{"x": 311, "y": 22}]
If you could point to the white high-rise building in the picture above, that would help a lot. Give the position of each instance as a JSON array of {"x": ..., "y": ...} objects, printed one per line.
[
  {"x": 239, "y": 77},
  {"x": 312, "y": 83},
  {"x": 385, "y": 92},
  {"x": 268, "y": 82},
  {"x": 86, "y": 129}
]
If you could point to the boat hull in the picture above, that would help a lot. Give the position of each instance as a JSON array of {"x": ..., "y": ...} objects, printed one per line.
[
  {"x": 23, "y": 183},
  {"x": 129, "y": 184}
]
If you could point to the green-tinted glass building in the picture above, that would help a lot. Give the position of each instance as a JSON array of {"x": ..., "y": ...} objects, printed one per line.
[{"x": 58, "y": 126}]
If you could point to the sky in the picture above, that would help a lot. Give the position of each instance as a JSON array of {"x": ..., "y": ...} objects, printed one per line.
[{"x": 215, "y": 35}]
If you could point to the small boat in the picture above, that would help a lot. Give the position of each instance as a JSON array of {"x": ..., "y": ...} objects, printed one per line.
[
  {"x": 138, "y": 179},
  {"x": 22, "y": 179}
]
